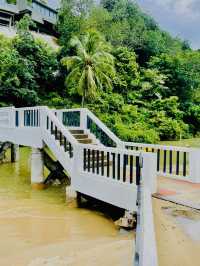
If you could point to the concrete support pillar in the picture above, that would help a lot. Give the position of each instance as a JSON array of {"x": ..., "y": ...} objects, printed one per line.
[
  {"x": 14, "y": 153},
  {"x": 37, "y": 169},
  {"x": 71, "y": 194}
]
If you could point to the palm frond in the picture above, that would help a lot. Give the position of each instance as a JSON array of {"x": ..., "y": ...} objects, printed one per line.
[
  {"x": 71, "y": 61},
  {"x": 77, "y": 44},
  {"x": 73, "y": 76}
]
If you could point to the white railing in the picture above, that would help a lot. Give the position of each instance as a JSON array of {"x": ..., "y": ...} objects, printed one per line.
[
  {"x": 36, "y": 126},
  {"x": 95, "y": 170},
  {"x": 47, "y": 113},
  {"x": 177, "y": 162},
  {"x": 7, "y": 117},
  {"x": 111, "y": 172},
  {"x": 28, "y": 117}
]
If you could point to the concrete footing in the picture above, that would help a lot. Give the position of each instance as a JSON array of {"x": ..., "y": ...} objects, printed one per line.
[
  {"x": 71, "y": 194},
  {"x": 37, "y": 169}
]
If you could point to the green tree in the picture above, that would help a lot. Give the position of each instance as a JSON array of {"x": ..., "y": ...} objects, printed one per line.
[
  {"x": 127, "y": 71},
  {"x": 152, "y": 85},
  {"x": 27, "y": 67},
  {"x": 182, "y": 71},
  {"x": 40, "y": 58},
  {"x": 72, "y": 19},
  {"x": 91, "y": 66}
]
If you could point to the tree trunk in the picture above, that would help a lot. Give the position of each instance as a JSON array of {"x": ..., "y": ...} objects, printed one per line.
[
  {"x": 83, "y": 99},
  {"x": 82, "y": 103}
]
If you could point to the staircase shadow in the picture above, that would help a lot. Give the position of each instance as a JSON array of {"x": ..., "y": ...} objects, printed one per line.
[{"x": 107, "y": 210}]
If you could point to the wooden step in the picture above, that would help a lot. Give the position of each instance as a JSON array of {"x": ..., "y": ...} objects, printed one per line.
[
  {"x": 76, "y": 131},
  {"x": 85, "y": 141},
  {"x": 80, "y": 136}
]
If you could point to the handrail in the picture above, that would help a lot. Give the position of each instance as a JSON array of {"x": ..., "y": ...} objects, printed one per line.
[
  {"x": 110, "y": 149},
  {"x": 60, "y": 126},
  {"x": 158, "y": 146},
  {"x": 103, "y": 127},
  {"x": 172, "y": 161},
  {"x": 84, "y": 115}
]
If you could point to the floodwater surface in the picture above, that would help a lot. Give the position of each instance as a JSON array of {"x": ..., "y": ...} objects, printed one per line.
[{"x": 39, "y": 228}]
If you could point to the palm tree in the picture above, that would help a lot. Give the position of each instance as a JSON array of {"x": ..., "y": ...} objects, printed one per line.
[{"x": 91, "y": 67}]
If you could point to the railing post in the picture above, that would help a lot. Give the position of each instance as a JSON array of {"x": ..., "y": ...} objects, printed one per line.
[
  {"x": 12, "y": 117},
  {"x": 149, "y": 171},
  {"x": 78, "y": 160},
  {"x": 83, "y": 118},
  {"x": 77, "y": 165},
  {"x": 60, "y": 116},
  {"x": 121, "y": 145},
  {"x": 194, "y": 165},
  {"x": 42, "y": 117},
  {"x": 21, "y": 118}
]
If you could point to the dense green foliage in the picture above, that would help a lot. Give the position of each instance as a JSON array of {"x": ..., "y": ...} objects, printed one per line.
[
  {"x": 143, "y": 83},
  {"x": 27, "y": 67}
]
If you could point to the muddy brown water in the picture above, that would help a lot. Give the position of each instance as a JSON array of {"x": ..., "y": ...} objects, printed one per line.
[{"x": 40, "y": 228}]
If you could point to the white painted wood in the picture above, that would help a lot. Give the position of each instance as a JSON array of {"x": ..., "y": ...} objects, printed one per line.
[
  {"x": 149, "y": 173},
  {"x": 119, "y": 194},
  {"x": 84, "y": 113},
  {"x": 7, "y": 117},
  {"x": 195, "y": 165},
  {"x": 58, "y": 152},
  {"x": 22, "y": 136},
  {"x": 157, "y": 146}
]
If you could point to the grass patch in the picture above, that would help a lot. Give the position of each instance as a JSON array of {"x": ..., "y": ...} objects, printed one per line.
[{"x": 194, "y": 142}]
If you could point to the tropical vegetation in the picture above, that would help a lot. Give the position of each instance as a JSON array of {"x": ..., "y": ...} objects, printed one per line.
[{"x": 114, "y": 59}]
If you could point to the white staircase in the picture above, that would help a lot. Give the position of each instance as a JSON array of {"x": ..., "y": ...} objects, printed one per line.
[
  {"x": 99, "y": 164},
  {"x": 106, "y": 173}
]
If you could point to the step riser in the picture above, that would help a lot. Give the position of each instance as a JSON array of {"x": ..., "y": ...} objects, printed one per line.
[
  {"x": 75, "y": 132},
  {"x": 80, "y": 136},
  {"x": 85, "y": 141}
]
